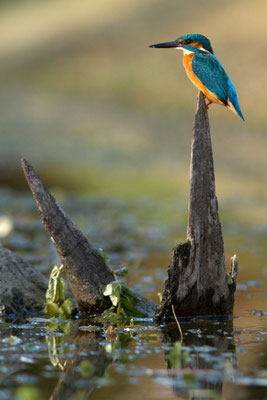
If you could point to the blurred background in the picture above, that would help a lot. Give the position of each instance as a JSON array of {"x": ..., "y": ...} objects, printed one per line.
[
  {"x": 107, "y": 123},
  {"x": 95, "y": 110}
]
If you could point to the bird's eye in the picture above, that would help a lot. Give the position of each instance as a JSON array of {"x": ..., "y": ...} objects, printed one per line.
[{"x": 187, "y": 41}]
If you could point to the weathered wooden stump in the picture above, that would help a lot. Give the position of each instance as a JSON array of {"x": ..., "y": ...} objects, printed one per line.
[
  {"x": 197, "y": 281},
  {"x": 85, "y": 268}
]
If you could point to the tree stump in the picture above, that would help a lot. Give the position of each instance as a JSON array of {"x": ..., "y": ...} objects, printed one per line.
[
  {"x": 198, "y": 283},
  {"x": 86, "y": 269}
]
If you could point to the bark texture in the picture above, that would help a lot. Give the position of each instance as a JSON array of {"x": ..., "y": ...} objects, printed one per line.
[
  {"x": 197, "y": 281},
  {"x": 85, "y": 268},
  {"x": 22, "y": 287}
]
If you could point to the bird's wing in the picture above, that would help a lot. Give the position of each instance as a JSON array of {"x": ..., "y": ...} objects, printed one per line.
[{"x": 210, "y": 72}]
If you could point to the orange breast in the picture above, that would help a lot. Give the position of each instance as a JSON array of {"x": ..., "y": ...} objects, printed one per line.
[{"x": 187, "y": 61}]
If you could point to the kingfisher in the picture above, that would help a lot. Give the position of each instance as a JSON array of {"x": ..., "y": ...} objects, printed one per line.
[{"x": 205, "y": 71}]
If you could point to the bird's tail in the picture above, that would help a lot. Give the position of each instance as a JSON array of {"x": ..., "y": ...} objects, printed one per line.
[{"x": 233, "y": 104}]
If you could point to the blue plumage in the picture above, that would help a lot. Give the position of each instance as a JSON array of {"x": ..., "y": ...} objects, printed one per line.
[
  {"x": 209, "y": 71},
  {"x": 197, "y": 38},
  {"x": 234, "y": 100},
  {"x": 204, "y": 70}
]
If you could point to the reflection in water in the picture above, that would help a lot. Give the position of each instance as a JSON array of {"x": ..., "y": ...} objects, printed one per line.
[
  {"x": 196, "y": 366},
  {"x": 206, "y": 356},
  {"x": 88, "y": 362},
  {"x": 214, "y": 360}
]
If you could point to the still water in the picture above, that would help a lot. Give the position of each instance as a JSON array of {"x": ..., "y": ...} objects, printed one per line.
[{"x": 217, "y": 359}]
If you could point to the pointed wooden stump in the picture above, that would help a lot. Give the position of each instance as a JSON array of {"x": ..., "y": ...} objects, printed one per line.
[
  {"x": 197, "y": 281},
  {"x": 86, "y": 269}
]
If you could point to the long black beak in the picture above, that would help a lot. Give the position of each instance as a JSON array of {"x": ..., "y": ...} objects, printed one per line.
[{"x": 166, "y": 45}]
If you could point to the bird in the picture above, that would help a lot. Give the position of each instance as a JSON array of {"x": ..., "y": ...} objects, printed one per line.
[{"x": 204, "y": 70}]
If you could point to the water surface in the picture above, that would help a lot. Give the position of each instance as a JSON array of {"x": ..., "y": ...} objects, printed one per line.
[{"x": 69, "y": 360}]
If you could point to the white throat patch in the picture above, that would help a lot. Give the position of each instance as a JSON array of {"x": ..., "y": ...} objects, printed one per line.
[{"x": 185, "y": 51}]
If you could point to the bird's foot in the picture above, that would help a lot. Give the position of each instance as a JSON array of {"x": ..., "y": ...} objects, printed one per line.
[{"x": 208, "y": 104}]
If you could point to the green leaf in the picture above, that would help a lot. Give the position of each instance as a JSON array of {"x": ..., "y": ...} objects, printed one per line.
[
  {"x": 104, "y": 256},
  {"x": 60, "y": 288},
  {"x": 107, "y": 261},
  {"x": 123, "y": 301},
  {"x": 86, "y": 368},
  {"x": 52, "y": 309},
  {"x": 57, "y": 305},
  {"x": 27, "y": 393},
  {"x": 121, "y": 272},
  {"x": 51, "y": 291},
  {"x": 81, "y": 395},
  {"x": 66, "y": 307},
  {"x": 113, "y": 290},
  {"x": 175, "y": 355}
]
